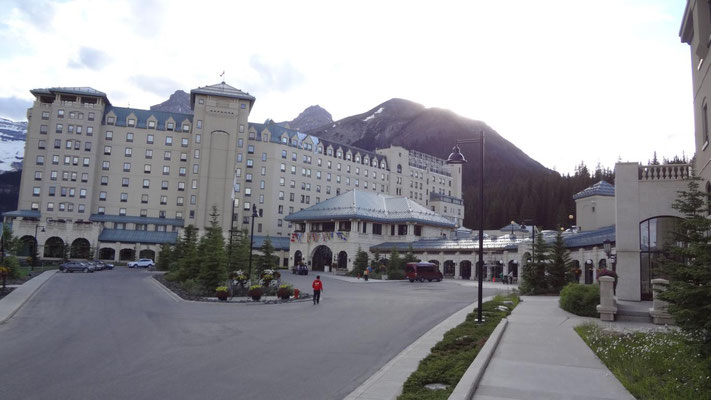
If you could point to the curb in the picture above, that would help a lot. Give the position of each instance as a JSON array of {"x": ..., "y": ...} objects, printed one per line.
[
  {"x": 12, "y": 303},
  {"x": 380, "y": 384},
  {"x": 470, "y": 380}
]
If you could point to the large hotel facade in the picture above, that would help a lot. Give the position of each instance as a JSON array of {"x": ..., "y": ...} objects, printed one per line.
[{"x": 117, "y": 182}]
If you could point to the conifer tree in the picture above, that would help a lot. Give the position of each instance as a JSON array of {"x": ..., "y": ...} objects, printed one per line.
[
  {"x": 186, "y": 250},
  {"x": 689, "y": 266},
  {"x": 409, "y": 256},
  {"x": 559, "y": 265},
  {"x": 165, "y": 257},
  {"x": 212, "y": 255},
  {"x": 238, "y": 250},
  {"x": 361, "y": 262},
  {"x": 534, "y": 272},
  {"x": 266, "y": 260}
]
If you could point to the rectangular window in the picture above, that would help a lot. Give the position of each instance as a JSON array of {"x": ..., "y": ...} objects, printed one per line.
[
  {"x": 39, "y": 160},
  {"x": 90, "y": 116},
  {"x": 166, "y": 170},
  {"x": 163, "y": 200},
  {"x": 110, "y": 120},
  {"x": 199, "y": 124},
  {"x": 186, "y": 128},
  {"x": 84, "y": 177},
  {"x": 124, "y": 182},
  {"x": 131, "y": 122},
  {"x": 196, "y": 168},
  {"x": 196, "y": 155},
  {"x": 126, "y": 167},
  {"x": 107, "y": 150},
  {"x": 104, "y": 181},
  {"x": 82, "y": 193},
  {"x": 170, "y": 126},
  {"x": 86, "y": 161},
  {"x": 129, "y": 136},
  {"x": 146, "y": 183},
  {"x": 109, "y": 135},
  {"x": 166, "y": 155},
  {"x": 197, "y": 138},
  {"x": 87, "y": 146},
  {"x": 124, "y": 197},
  {"x": 45, "y": 114},
  {"x": 105, "y": 165},
  {"x": 149, "y": 139},
  {"x": 164, "y": 185},
  {"x": 182, "y": 171},
  {"x": 168, "y": 140},
  {"x": 122, "y": 211},
  {"x": 149, "y": 153},
  {"x": 60, "y": 113},
  {"x": 128, "y": 152},
  {"x": 147, "y": 168},
  {"x": 184, "y": 142},
  {"x": 181, "y": 186},
  {"x": 102, "y": 196},
  {"x": 151, "y": 124}
]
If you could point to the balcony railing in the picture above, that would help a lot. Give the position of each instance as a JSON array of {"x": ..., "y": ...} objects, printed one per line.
[{"x": 668, "y": 172}]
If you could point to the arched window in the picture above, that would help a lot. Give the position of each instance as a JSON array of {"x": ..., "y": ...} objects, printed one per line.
[{"x": 656, "y": 236}]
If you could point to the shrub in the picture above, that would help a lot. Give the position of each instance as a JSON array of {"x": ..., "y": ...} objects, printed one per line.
[
  {"x": 193, "y": 287},
  {"x": 13, "y": 265},
  {"x": 580, "y": 299},
  {"x": 255, "y": 290},
  {"x": 396, "y": 274}
]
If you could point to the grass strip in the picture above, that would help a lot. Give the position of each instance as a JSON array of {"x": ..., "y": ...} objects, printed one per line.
[
  {"x": 653, "y": 365},
  {"x": 450, "y": 358}
]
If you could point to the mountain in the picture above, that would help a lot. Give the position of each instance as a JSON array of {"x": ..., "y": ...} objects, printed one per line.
[
  {"x": 12, "y": 144},
  {"x": 516, "y": 187},
  {"x": 178, "y": 102},
  {"x": 311, "y": 118}
]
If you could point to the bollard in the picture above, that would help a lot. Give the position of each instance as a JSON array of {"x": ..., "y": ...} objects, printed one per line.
[
  {"x": 608, "y": 306},
  {"x": 296, "y": 293},
  {"x": 658, "y": 312}
]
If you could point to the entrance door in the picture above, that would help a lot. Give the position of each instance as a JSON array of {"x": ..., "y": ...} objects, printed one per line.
[
  {"x": 321, "y": 258},
  {"x": 465, "y": 269}
]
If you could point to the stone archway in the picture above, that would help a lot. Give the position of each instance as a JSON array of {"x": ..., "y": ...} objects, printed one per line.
[
  {"x": 513, "y": 267},
  {"x": 27, "y": 248},
  {"x": 589, "y": 266},
  {"x": 147, "y": 253},
  {"x": 465, "y": 269},
  {"x": 54, "y": 247},
  {"x": 80, "y": 249},
  {"x": 435, "y": 262},
  {"x": 576, "y": 270},
  {"x": 343, "y": 260},
  {"x": 447, "y": 268},
  {"x": 322, "y": 257},
  {"x": 298, "y": 257},
  {"x": 127, "y": 255},
  {"x": 107, "y": 253}
]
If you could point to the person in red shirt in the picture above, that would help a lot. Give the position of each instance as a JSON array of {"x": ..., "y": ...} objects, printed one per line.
[{"x": 318, "y": 288}]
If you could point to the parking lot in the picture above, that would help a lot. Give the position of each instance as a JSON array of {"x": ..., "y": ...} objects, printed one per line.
[{"x": 117, "y": 334}]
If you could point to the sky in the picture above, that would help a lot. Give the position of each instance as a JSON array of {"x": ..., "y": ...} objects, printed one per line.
[{"x": 566, "y": 81}]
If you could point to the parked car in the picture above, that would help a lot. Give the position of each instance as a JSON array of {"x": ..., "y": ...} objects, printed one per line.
[
  {"x": 141, "y": 263},
  {"x": 72, "y": 266},
  {"x": 303, "y": 270},
  {"x": 421, "y": 271},
  {"x": 106, "y": 265}
]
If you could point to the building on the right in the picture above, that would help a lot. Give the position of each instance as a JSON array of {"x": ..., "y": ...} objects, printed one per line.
[{"x": 644, "y": 194}]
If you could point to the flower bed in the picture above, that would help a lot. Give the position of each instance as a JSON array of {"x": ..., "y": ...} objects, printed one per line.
[
  {"x": 653, "y": 365},
  {"x": 450, "y": 358}
]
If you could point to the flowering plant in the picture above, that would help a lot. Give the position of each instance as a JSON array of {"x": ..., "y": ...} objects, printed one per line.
[
  {"x": 221, "y": 289},
  {"x": 239, "y": 276},
  {"x": 285, "y": 290},
  {"x": 4, "y": 271},
  {"x": 255, "y": 291}
]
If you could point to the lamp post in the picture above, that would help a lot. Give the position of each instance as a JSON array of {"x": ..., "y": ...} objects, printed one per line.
[
  {"x": 512, "y": 227},
  {"x": 251, "y": 241},
  {"x": 232, "y": 227},
  {"x": 457, "y": 158},
  {"x": 34, "y": 251}
]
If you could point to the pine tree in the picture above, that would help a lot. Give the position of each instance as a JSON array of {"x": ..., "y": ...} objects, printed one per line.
[
  {"x": 238, "y": 250},
  {"x": 689, "y": 266},
  {"x": 165, "y": 257},
  {"x": 361, "y": 262},
  {"x": 266, "y": 260},
  {"x": 186, "y": 250},
  {"x": 409, "y": 256},
  {"x": 558, "y": 269},
  {"x": 534, "y": 272},
  {"x": 213, "y": 260},
  {"x": 394, "y": 264}
]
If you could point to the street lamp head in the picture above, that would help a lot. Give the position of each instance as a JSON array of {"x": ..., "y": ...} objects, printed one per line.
[
  {"x": 607, "y": 245},
  {"x": 254, "y": 211},
  {"x": 456, "y": 157}
]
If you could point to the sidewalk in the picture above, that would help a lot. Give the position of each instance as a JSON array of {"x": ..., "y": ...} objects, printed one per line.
[
  {"x": 13, "y": 301},
  {"x": 462, "y": 282},
  {"x": 540, "y": 356}
]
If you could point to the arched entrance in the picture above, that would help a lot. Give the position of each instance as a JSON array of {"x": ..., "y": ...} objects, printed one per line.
[
  {"x": 107, "y": 253},
  {"x": 343, "y": 260},
  {"x": 54, "y": 247},
  {"x": 497, "y": 270},
  {"x": 513, "y": 268},
  {"x": 127, "y": 255},
  {"x": 80, "y": 249},
  {"x": 298, "y": 257},
  {"x": 589, "y": 272},
  {"x": 483, "y": 271},
  {"x": 27, "y": 246},
  {"x": 576, "y": 270},
  {"x": 465, "y": 269},
  {"x": 449, "y": 269},
  {"x": 322, "y": 257},
  {"x": 147, "y": 253},
  {"x": 435, "y": 262}
]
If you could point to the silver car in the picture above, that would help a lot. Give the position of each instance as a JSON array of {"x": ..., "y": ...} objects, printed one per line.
[{"x": 72, "y": 266}]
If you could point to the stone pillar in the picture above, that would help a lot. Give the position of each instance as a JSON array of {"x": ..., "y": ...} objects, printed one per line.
[
  {"x": 658, "y": 312},
  {"x": 608, "y": 306}
]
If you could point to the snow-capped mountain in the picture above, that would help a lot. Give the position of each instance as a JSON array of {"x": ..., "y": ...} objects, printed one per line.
[{"x": 12, "y": 144}]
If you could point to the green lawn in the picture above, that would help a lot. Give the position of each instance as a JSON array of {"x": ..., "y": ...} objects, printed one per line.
[
  {"x": 451, "y": 357},
  {"x": 658, "y": 365}
]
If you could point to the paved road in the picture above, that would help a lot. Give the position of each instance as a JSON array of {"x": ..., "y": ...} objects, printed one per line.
[{"x": 115, "y": 334}]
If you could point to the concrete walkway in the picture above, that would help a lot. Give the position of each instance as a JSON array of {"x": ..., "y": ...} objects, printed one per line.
[
  {"x": 13, "y": 301},
  {"x": 540, "y": 356}
]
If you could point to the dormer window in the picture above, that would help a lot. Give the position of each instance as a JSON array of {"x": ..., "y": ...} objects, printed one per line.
[
  {"x": 170, "y": 126},
  {"x": 186, "y": 127},
  {"x": 131, "y": 122},
  {"x": 283, "y": 140},
  {"x": 151, "y": 124},
  {"x": 348, "y": 156},
  {"x": 110, "y": 120}
]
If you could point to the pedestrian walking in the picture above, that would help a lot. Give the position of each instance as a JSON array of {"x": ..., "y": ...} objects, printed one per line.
[
  {"x": 366, "y": 273},
  {"x": 317, "y": 285}
]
